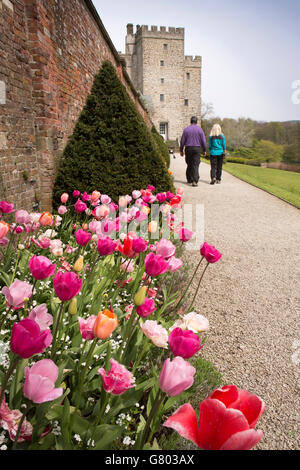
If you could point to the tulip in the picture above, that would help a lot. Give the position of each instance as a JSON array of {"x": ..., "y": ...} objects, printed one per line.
[
  {"x": 174, "y": 264},
  {"x": 136, "y": 194},
  {"x": 185, "y": 234},
  {"x": 85, "y": 197},
  {"x": 165, "y": 248},
  {"x": 46, "y": 219},
  {"x": 192, "y": 321},
  {"x": 86, "y": 327},
  {"x": 107, "y": 200},
  {"x": 184, "y": 343},
  {"x": 72, "y": 310},
  {"x": 95, "y": 196},
  {"x": 146, "y": 308},
  {"x": 66, "y": 285},
  {"x": 82, "y": 237},
  {"x": 41, "y": 267},
  {"x": 76, "y": 193},
  {"x": 16, "y": 293},
  {"x": 156, "y": 333},
  {"x": 210, "y": 253},
  {"x": 10, "y": 419},
  {"x": 118, "y": 379},
  {"x": 139, "y": 245},
  {"x": 41, "y": 316},
  {"x": 105, "y": 323},
  {"x": 176, "y": 376},
  {"x": 22, "y": 217},
  {"x": 62, "y": 210},
  {"x": 64, "y": 198},
  {"x": 6, "y": 207},
  {"x": 80, "y": 206},
  {"x": 140, "y": 296},
  {"x": 39, "y": 385},
  {"x": 180, "y": 191},
  {"x": 127, "y": 249},
  {"x": 226, "y": 422},
  {"x": 27, "y": 339},
  {"x": 161, "y": 197},
  {"x": 4, "y": 229},
  {"x": 106, "y": 246},
  {"x": 78, "y": 264},
  {"x": 152, "y": 227},
  {"x": 155, "y": 265}
]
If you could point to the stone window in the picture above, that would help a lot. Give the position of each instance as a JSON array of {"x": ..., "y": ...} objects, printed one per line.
[
  {"x": 188, "y": 75},
  {"x": 162, "y": 63},
  {"x": 162, "y": 97},
  {"x": 162, "y": 80},
  {"x": 165, "y": 47},
  {"x": 162, "y": 128},
  {"x": 186, "y": 102}
]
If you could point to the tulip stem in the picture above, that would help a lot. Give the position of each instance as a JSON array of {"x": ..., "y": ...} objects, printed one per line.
[
  {"x": 158, "y": 400},
  {"x": 28, "y": 408},
  {"x": 59, "y": 317},
  {"x": 194, "y": 298},
  {"x": 16, "y": 265},
  {"x": 187, "y": 288},
  {"x": 13, "y": 365},
  {"x": 82, "y": 376}
]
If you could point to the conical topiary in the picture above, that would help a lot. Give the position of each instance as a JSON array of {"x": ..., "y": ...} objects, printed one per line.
[
  {"x": 163, "y": 148},
  {"x": 111, "y": 148}
]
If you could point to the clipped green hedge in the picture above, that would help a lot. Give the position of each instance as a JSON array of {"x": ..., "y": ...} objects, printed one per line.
[
  {"x": 111, "y": 148},
  {"x": 163, "y": 148},
  {"x": 236, "y": 160}
]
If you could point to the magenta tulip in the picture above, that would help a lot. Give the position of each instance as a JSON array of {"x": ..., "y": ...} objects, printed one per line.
[
  {"x": 155, "y": 265},
  {"x": 184, "y": 343},
  {"x": 27, "y": 339},
  {"x": 176, "y": 376},
  {"x": 185, "y": 234},
  {"x": 139, "y": 245},
  {"x": 210, "y": 253},
  {"x": 82, "y": 237},
  {"x": 80, "y": 206},
  {"x": 106, "y": 246},
  {"x": 39, "y": 385},
  {"x": 6, "y": 207},
  {"x": 16, "y": 293},
  {"x": 41, "y": 267},
  {"x": 66, "y": 285},
  {"x": 76, "y": 193},
  {"x": 118, "y": 379},
  {"x": 147, "y": 308},
  {"x": 165, "y": 248}
]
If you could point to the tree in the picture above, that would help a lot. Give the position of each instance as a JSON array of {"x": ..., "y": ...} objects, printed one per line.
[{"x": 111, "y": 148}]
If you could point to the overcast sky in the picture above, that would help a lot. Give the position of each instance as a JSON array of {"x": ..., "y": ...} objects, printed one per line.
[{"x": 250, "y": 48}]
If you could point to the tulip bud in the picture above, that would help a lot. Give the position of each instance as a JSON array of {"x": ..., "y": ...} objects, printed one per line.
[
  {"x": 78, "y": 264},
  {"x": 139, "y": 297},
  {"x": 73, "y": 307}
]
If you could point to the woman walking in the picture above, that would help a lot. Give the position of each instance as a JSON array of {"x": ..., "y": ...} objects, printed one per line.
[{"x": 217, "y": 147}]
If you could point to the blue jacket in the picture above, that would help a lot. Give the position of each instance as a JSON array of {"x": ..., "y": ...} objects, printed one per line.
[{"x": 217, "y": 145}]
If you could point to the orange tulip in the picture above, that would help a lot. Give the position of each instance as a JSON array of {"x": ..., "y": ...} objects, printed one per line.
[
  {"x": 95, "y": 196},
  {"x": 152, "y": 227},
  {"x": 105, "y": 323},
  {"x": 46, "y": 218},
  {"x": 4, "y": 228}
]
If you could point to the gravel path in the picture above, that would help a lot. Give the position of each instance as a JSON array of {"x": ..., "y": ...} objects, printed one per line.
[{"x": 251, "y": 297}]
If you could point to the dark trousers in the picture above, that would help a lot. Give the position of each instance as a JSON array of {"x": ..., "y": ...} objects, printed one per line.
[
  {"x": 192, "y": 158},
  {"x": 216, "y": 163}
]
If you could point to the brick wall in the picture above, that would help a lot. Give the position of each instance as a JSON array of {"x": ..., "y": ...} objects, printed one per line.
[{"x": 50, "y": 52}]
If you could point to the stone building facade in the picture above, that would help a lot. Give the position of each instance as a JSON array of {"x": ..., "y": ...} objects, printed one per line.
[
  {"x": 50, "y": 51},
  {"x": 169, "y": 81}
]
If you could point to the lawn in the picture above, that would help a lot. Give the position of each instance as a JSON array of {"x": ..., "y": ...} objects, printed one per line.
[{"x": 285, "y": 184}]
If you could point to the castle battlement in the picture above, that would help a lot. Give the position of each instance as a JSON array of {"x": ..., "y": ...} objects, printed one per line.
[
  {"x": 192, "y": 60},
  {"x": 155, "y": 31}
]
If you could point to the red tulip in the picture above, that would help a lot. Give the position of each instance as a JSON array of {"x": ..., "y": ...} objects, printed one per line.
[{"x": 226, "y": 420}]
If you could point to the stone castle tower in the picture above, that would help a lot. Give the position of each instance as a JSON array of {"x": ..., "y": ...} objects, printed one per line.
[{"x": 169, "y": 81}]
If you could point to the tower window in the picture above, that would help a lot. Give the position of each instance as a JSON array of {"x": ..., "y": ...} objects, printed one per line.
[
  {"x": 162, "y": 63},
  {"x": 162, "y": 80},
  {"x": 162, "y": 97},
  {"x": 186, "y": 102},
  {"x": 188, "y": 75},
  {"x": 165, "y": 47}
]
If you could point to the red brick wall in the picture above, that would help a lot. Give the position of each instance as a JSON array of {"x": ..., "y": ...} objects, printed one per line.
[{"x": 50, "y": 53}]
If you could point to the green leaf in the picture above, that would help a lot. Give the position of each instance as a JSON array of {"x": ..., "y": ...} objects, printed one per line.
[{"x": 105, "y": 434}]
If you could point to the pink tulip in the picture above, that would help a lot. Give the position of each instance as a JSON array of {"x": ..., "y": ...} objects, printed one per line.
[
  {"x": 86, "y": 327},
  {"x": 4, "y": 229},
  {"x": 41, "y": 267},
  {"x": 184, "y": 343},
  {"x": 136, "y": 194},
  {"x": 64, "y": 198},
  {"x": 105, "y": 199},
  {"x": 62, "y": 210},
  {"x": 118, "y": 379},
  {"x": 6, "y": 207},
  {"x": 80, "y": 206},
  {"x": 82, "y": 237},
  {"x": 106, "y": 246},
  {"x": 176, "y": 376},
  {"x": 10, "y": 419},
  {"x": 165, "y": 248},
  {"x": 156, "y": 333},
  {"x": 170, "y": 195},
  {"x": 42, "y": 242},
  {"x": 210, "y": 253},
  {"x": 174, "y": 264},
  {"x": 4, "y": 241},
  {"x": 76, "y": 193},
  {"x": 22, "y": 217},
  {"x": 39, "y": 385},
  {"x": 27, "y": 339},
  {"x": 226, "y": 420},
  {"x": 41, "y": 316},
  {"x": 94, "y": 226},
  {"x": 139, "y": 245},
  {"x": 185, "y": 234},
  {"x": 155, "y": 265},
  {"x": 146, "y": 309},
  {"x": 107, "y": 226},
  {"x": 66, "y": 285},
  {"x": 16, "y": 293}
]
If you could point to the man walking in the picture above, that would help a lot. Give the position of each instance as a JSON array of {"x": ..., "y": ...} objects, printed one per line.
[{"x": 192, "y": 140}]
